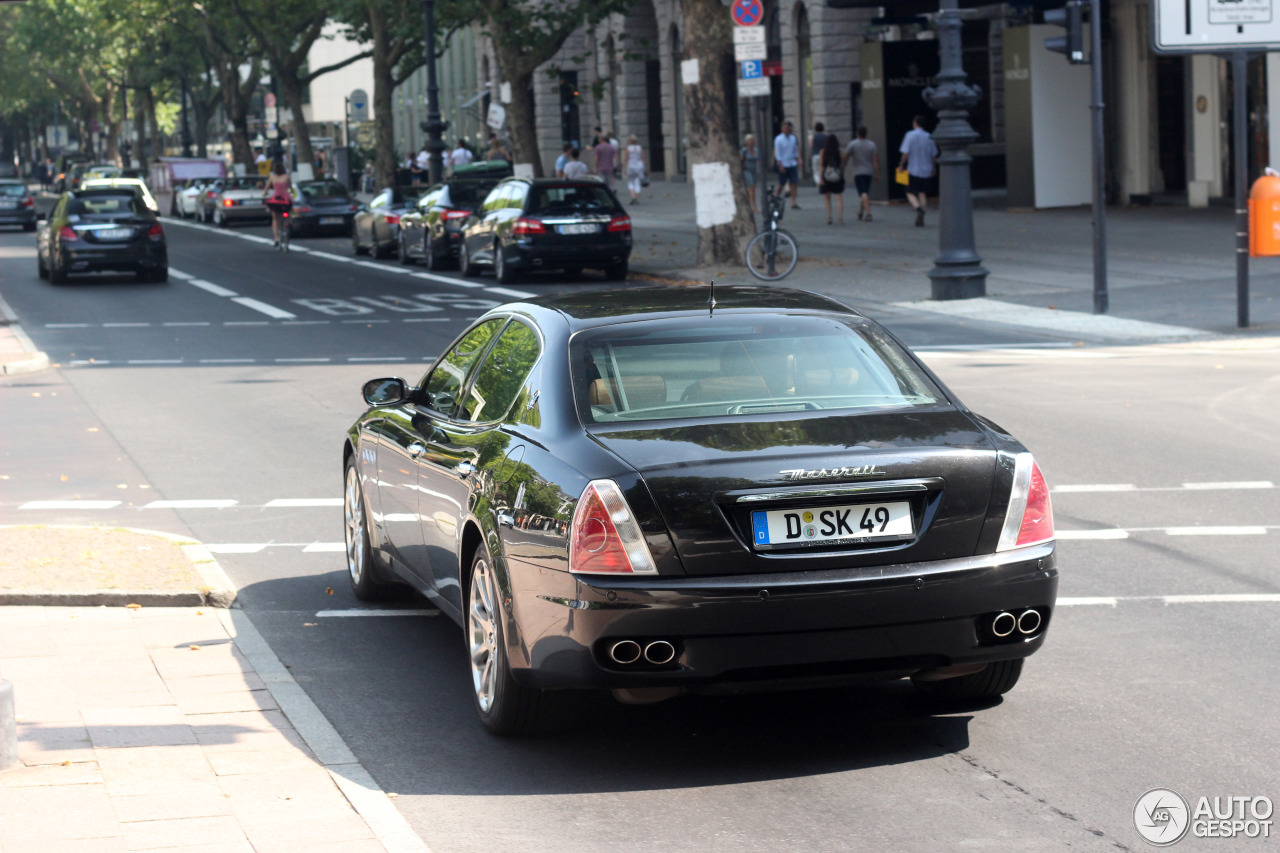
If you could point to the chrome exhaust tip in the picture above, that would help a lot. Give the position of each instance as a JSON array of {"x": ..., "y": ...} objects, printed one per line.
[
  {"x": 1004, "y": 624},
  {"x": 1029, "y": 621},
  {"x": 659, "y": 652},
  {"x": 624, "y": 652}
]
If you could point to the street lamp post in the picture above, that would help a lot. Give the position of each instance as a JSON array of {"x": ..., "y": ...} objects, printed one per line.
[
  {"x": 957, "y": 271},
  {"x": 433, "y": 126}
]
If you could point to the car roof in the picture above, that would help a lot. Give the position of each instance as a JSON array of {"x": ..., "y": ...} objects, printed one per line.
[{"x": 584, "y": 309}]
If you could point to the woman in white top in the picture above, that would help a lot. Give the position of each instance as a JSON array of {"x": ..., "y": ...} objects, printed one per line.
[{"x": 633, "y": 167}]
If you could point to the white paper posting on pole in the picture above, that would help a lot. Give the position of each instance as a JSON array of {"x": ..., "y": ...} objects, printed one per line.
[
  {"x": 497, "y": 116},
  {"x": 504, "y": 93},
  {"x": 523, "y": 170},
  {"x": 689, "y": 72},
  {"x": 713, "y": 194}
]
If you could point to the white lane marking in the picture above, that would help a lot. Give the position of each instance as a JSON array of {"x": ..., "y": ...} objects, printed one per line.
[
  {"x": 1244, "y": 484},
  {"x": 295, "y": 502},
  {"x": 303, "y": 360},
  {"x": 960, "y": 348},
  {"x": 254, "y": 238},
  {"x": 306, "y": 322},
  {"x": 92, "y": 362},
  {"x": 217, "y": 504},
  {"x": 235, "y": 549},
  {"x": 262, "y": 307},
  {"x": 70, "y": 505},
  {"x": 216, "y": 290},
  {"x": 324, "y": 547},
  {"x": 186, "y": 324},
  {"x": 507, "y": 291},
  {"x": 401, "y": 358},
  {"x": 456, "y": 282},
  {"x": 228, "y": 361},
  {"x": 346, "y": 614},
  {"x": 180, "y": 275},
  {"x": 426, "y": 320},
  {"x": 247, "y": 323},
  {"x": 1224, "y": 598},
  {"x": 1096, "y": 487},
  {"x": 371, "y": 265},
  {"x": 1244, "y": 530},
  {"x": 154, "y": 361},
  {"x": 364, "y": 322},
  {"x": 330, "y": 256},
  {"x": 66, "y": 325},
  {"x": 1113, "y": 533},
  {"x": 125, "y": 325}
]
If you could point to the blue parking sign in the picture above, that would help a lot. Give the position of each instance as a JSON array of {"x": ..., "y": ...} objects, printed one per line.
[{"x": 752, "y": 68}]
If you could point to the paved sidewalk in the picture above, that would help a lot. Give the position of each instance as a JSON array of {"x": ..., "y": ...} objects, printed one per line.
[
  {"x": 18, "y": 354},
  {"x": 176, "y": 729}
]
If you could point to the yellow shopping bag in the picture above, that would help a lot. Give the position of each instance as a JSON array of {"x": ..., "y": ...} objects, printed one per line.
[{"x": 901, "y": 176}]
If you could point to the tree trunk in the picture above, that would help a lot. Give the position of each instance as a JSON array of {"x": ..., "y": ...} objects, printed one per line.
[
  {"x": 201, "y": 128},
  {"x": 292, "y": 87},
  {"x": 154, "y": 139},
  {"x": 384, "y": 145},
  {"x": 111, "y": 124},
  {"x": 520, "y": 118},
  {"x": 725, "y": 223}
]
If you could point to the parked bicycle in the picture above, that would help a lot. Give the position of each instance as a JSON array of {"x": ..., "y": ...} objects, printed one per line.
[{"x": 772, "y": 254}]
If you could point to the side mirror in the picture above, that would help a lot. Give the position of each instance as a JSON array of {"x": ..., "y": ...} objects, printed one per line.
[{"x": 385, "y": 392}]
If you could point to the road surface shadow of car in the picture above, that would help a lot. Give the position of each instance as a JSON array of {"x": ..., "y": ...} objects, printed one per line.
[
  {"x": 76, "y": 279},
  {"x": 399, "y": 691}
]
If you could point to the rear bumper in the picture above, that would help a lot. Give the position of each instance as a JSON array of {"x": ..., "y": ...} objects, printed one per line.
[
  {"x": 531, "y": 254},
  {"x": 830, "y": 625},
  {"x": 244, "y": 214},
  {"x": 143, "y": 257},
  {"x": 26, "y": 216},
  {"x": 311, "y": 222}
]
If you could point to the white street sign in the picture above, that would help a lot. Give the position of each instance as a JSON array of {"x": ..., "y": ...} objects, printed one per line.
[
  {"x": 753, "y": 87},
  {"x": 745, "y": 52},
  {"x": 1213, "y": 26},
  {"x": 748, "y": 35},
  {"x": 359, "y": 101},
  {"x": 271, "y": 114},
  {"x": 56, "y": 135}
]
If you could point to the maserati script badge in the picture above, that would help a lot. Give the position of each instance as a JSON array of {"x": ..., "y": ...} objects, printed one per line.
[{"x": 820, "y": 473}]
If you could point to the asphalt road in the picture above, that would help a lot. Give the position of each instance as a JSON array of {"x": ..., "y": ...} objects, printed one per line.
[{"x": 199, "y": 407}]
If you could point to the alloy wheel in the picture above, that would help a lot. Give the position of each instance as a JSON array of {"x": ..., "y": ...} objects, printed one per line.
[
  {"x": 353, "y": 516},
  {"x": 482, "y": 635}
]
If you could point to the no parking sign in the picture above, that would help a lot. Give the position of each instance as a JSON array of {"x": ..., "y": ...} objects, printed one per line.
[{"x": 747, "y": 13}]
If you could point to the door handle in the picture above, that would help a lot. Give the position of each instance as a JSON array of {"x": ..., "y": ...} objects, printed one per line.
[
  {"x": 416, "y": 450},
  {"x": 464, "y": 469}
]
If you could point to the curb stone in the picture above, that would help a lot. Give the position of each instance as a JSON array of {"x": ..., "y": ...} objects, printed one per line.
[
  {"x": 38, "y": 360},
  {"x": 216, "y": 589}
]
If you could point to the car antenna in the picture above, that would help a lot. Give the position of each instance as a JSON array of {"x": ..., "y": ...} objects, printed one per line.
[{"x": 711, "y": 300}]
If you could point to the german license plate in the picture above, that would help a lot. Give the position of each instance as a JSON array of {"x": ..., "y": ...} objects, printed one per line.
[
  {"x": 580, "y": 228},
  {"x": 8, "y": 205},
  {"x": 115, "y": 233},
  {"x": 331, "y": 220},
  {"x": 251, "y": 202},
  {"x": 826, "y": 525}
]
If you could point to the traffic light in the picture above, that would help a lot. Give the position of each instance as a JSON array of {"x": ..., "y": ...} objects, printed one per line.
[{"x": 1070, "y": 16}]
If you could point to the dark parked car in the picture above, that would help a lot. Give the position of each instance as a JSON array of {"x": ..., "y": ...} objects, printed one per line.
[
  {"x": 102, "y": 230},
  {"x": 17, "y": 206},
  {"x": 547, "y": 223},
  {"x": 376, "y": 228},
  {"x": 652, "y": 495},
  {"x": 66, "y": 163},
  {"x": 432, "y": 230},
  {"x": 321, "y": 206}
]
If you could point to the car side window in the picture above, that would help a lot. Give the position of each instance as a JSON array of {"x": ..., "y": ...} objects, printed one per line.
[
  {"x": 501, "y": 376},
  {"x": 494, "y": 200},
  {"x": 516, "y": 195},
  {"x": 430, "y": 200},
  {"x": 381, "y": 201},
  {"x": 444, "y": 383}
]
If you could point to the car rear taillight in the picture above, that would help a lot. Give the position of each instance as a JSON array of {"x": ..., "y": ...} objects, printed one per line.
[
  {"x": 529, "y": 226},
  {"x": 210, "y": 194},
  {"x": 1029, "y": 519},
  {"x": 156, "y": 232},
  {"x": 301, "y": 208},
  {"x": 28, "y": 202},
  {"x": 66, "y": 235},
  {"x": 456, "y": 214},
  {"x": 620, "y": 223},
  {"x": 226, "y": 202},
  {"x": 392, "y": 219},
  {"x": 604, "y": 537},
  {"x": 355, "y": 207}
]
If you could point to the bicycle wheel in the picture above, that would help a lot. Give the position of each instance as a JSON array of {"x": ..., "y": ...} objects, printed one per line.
[
  {"x": 772, "y": 255},
  {"x": 284, "y": 234}
]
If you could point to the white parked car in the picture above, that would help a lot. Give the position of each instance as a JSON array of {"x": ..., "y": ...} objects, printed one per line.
[
  {"x": 238, "y": 199},
  {"x": 186, "y": 199}
]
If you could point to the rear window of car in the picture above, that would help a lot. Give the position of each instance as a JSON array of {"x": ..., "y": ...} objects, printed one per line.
[
  {"x": 469, "y": 194},
  {"x": 245, "y": 184},
  {"x": 104, "y": 203},
  {"x": 742, "y": 365},
  {"x": 319, "y": 190},
  {"x": 577, "y": 198},
  {"x": 13, "y": 190}
]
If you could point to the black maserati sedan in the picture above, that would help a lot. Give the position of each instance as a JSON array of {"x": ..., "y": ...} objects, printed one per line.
[
  {"x": 527, "y": 225},
  {"x": 658, "y": 493},
  {"x": 110, "y": 229}
]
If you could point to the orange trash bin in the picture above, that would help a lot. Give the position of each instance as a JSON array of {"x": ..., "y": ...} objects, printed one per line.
[{"x": 1264, "y": 216}]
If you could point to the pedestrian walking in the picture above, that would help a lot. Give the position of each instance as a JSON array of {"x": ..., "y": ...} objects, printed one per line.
[
  {"x": 461, "y": 155},
  {"x": 496, "y": 149},
  {"x": 563, "y": 159},
  {"x": 786, "y": 160},
  {"x": 831, "y": 174},
  {"x": 421, "y": 163},
  {"x": 919, "y": 155},
  {"x": 575, "y": 169},
  {"x": 749, "y": 156},
  {"x": 606, "y": 160},
  {"x": 861, "y": 152},
  {"x": 633, "y": 167},
  {"x": 816, "y": 143}
]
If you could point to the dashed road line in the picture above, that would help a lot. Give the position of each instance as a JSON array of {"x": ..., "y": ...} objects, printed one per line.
[
  {"x": 357, "y": 612},
  {"x": 1224, "y": 598},
  {"x": 210, "y": 287},
  {"x": 70, "y": 505},
  {"x": 1184, "y": 487},
  {"x": 301, "y": 502},
  {"x": 191, "y": 504},
  {"x": 264, "y": 308},
  {"x": 507, "y": 291}
]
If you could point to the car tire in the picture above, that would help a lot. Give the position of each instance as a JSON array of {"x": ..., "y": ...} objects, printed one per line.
[
  {"x": 616, "y": 272},
  {"x": 356, "y": 248},
  {"x": 219, "y": 219},
  {"x": 429, "y": 258},
  {"x": 362, "y": 567},
  {"x": 465, "y": 266},
  {"x": 505, "y": 707},
  {"x": 997, "y": 679},
  {"x": 29, "y": 226},
  {"x": 41, "y": 270},
  {"x": 57, "y": 276},
  {"x": 502, "y": 270},
  {"x": 402, "y": 252}
]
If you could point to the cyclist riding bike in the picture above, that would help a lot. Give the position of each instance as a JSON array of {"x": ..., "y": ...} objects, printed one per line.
[{"x": 279, "y": 200}]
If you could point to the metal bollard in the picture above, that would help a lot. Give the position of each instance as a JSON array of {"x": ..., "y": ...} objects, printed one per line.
[{"x": 8, "y": 729}]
